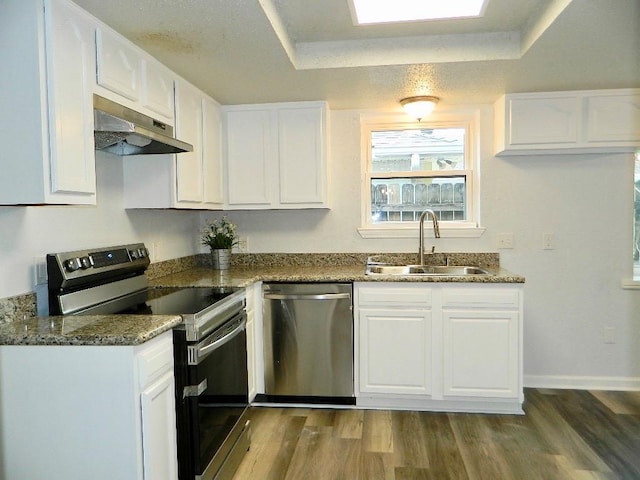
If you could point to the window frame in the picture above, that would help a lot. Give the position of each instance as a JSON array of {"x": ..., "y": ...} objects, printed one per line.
[{"x": 469, "y": 120}]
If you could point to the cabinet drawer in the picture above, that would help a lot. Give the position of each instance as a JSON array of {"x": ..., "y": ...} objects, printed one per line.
[
  {"x": 481, "y": 297},
  {"x": 395, "y": 295},
  {"x": 155, "y": 359}
]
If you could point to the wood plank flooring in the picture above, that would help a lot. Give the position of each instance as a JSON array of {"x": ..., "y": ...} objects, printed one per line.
[{"x": 565, "y": 434}]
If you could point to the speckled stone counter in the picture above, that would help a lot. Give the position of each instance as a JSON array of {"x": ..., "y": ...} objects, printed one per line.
[
  {"x": 87, "y": 330},
  {"x": 195, "y": 271},
  {"x": 18, "y": 307},
  {"x": 250, "y": 268}
]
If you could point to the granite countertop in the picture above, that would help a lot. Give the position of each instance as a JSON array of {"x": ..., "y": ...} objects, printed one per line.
[
  {"x": 242, "y": 276},
  {"x": 247, "y": 269},
  {"x": 87, "y": 330}
]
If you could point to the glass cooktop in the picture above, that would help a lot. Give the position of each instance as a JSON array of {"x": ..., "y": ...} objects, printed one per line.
[{"x": 163, "y": 301}]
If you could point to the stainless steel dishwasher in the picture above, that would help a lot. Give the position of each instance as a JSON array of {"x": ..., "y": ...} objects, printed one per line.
[{"x": 308, "y": 341}]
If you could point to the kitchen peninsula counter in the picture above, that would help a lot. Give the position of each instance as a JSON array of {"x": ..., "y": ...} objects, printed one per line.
[{"x": 113, "y": 330}]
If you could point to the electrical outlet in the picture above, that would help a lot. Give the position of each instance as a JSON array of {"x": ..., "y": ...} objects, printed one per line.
[
  {"x": 548, "y": 241},
  {"x": 505, "y": 240},
  {"x": 243, "y": 245}
]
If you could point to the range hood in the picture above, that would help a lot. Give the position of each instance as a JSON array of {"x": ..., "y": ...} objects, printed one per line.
[{"x": 122, "y": 131}]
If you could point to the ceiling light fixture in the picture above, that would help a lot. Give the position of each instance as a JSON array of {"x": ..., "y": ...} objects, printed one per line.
[
  {"x": 377, "y": 11},
  {"x": 420, "y": 106}
]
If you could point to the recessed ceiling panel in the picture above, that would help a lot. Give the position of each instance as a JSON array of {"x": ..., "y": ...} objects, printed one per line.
[{"x": 367, "y": 12}]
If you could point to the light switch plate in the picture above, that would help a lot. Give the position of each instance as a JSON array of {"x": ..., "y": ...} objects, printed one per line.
[{"x": 548, "y": 241}]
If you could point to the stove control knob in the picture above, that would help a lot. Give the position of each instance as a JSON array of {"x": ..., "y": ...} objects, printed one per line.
[
  {"x": 85, "y": 262},
  {"x": 142, "y": 252},
  {"x": 72, "y": 264},
  {"x": 133, "y": 254}
]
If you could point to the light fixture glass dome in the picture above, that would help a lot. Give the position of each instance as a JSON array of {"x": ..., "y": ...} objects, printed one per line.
[{"x": 420, "y": 106}]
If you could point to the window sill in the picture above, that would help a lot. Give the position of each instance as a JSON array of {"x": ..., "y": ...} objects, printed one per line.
[
  {"x": 411, "y": 231},
  {"x": 631, "y": 284}
]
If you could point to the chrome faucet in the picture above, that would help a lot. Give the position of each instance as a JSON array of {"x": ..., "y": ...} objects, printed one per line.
[{"x": 436, "y": 232}]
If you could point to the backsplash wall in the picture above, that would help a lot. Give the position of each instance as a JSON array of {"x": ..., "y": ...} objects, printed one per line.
[{"x": 29, "y": 233}]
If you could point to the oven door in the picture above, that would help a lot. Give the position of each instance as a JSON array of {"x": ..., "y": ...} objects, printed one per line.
[{"x": 212, "y": 399}]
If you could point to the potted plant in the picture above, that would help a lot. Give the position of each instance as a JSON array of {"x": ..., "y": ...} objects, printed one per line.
[{"x": 220, "y": 236}]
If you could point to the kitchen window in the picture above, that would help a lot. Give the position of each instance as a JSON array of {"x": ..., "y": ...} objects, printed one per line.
[{"x": 409, "y": 167}]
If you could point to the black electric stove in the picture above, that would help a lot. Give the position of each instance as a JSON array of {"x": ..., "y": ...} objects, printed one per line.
[{"x": 210, "y": 347}]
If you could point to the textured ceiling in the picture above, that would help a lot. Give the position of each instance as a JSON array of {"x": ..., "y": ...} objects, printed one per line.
[{"x": 254, "y": 51}]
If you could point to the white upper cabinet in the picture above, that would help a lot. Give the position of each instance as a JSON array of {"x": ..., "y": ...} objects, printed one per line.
[
  {"x": 48, "y": 151},
  {"x": 199, "y": 173},
  {"x": 613, "y": 117},
  {"x": 128, "y": 75},
  {"x": 189, "y": 180},
  {"x": 213, "y": 192},
  {"x": 119, "y": 65},
  {"x": 276, "y": 156},
  {"x": 189, "y": 128},
  {"x": 249, "y": 158},
  {"x": 157, "y": 89},
  {"x": 568, "y": 122},
  {"x": 302, "y": 154}
]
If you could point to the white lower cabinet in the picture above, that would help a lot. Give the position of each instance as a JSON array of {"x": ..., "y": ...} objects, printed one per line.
[
  {"x": 442, "y": 347},
  {"x": 158, "y": 431},
  {"x": 480, "y": 353},
  {"x": 99, "y": 412},
  {"x": 395, "y": 351}
]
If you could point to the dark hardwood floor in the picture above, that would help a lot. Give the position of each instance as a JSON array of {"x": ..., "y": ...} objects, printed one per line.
[{"x": 565, "y": 434}]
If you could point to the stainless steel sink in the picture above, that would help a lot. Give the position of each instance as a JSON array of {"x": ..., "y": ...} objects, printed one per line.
[{"x": 410, "y": 270}]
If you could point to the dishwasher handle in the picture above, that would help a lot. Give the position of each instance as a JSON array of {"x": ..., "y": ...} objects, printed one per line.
[{"x": 318, "y": 296}]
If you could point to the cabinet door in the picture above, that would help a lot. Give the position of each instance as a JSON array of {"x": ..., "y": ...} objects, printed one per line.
[
  {"x": 302, "y": 155},
  {"x": 249, "y": 158},
  {"x": 189, "y": 172},
  {"x": 395, "y": 351},
  {"x": 543, "y": 121},
  {"x": 613, "y": 117},
  {"x": 157, "y": 90},
  {"x": 212, "y": 153},
  {"x": 481, "y": 356},
  {"x": 70, "y": 64},
  {"x": 159, "y": 430},
  {"x": 119, "y": 66}
]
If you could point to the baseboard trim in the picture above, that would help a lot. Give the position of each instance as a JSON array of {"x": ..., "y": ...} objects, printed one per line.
[
  {"x": 582, "y": 383},
  {"x": 469, "y": 405}
]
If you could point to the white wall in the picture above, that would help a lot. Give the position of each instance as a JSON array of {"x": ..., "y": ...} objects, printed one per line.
[
  {"x": 32, "y": 232},
  {"x": 571, "y": 293}
]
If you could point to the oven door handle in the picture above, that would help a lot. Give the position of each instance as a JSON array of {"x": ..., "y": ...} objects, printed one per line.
[{"x": 203, "y": 349}]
